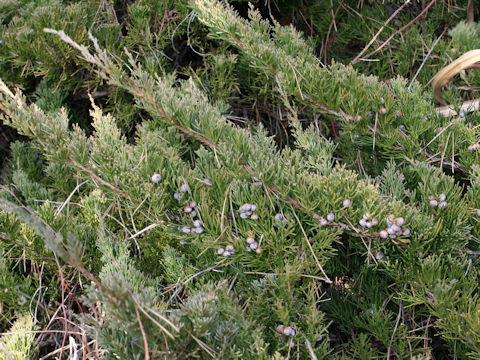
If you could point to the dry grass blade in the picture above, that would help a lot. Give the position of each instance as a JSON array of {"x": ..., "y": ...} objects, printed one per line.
[
  {"x": 205, "y": 347},
  {"x": 65, "y": 203},
  {"x": 467, "y": 107},
  {"x": 469, "y": 60},
  {"x": 155, "y": 321},
  {"x": 310, "y": 350},
  {"x": 326, "y": 278}
]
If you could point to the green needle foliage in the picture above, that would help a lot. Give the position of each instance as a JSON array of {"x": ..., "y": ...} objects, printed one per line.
[
  {"x": 379, "y": 122},
  {"x": 19, "y": 342},
  {"x": 192, "y": 236}
]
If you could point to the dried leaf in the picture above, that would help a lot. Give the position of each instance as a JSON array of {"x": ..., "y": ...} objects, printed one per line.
[{"x": 469, "y": 60}]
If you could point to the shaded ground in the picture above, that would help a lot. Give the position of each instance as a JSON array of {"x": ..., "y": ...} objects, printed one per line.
[{"x": 7, "y": 136}]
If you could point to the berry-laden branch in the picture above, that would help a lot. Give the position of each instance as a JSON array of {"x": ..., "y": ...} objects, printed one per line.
[{"x": 322, "y": 220}]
